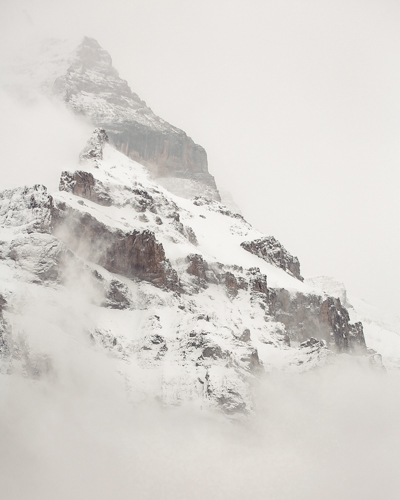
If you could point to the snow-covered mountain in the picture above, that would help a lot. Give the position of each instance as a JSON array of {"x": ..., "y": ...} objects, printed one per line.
[
  {"x": 80, "y": 73},
  {"x": 177, "y": 297},
  {"x": 188, "y": 302}
]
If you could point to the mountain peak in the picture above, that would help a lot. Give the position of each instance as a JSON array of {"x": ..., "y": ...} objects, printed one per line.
[
  {"x": 81, "y": 74},
  {"x": 92, "y": 54}
]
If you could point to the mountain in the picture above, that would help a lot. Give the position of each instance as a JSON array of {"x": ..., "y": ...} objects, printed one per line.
[
  {"x": 175, "y": 296},
  {"x": 153, "y": 344},
  {"x": 184, "y": 298},
  {"x": 80, "y": 73}
]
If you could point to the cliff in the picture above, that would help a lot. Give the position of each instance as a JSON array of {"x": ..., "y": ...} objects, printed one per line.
[
  {"x": 170, "y": 289},
  {"x": 81, "y": 74}
]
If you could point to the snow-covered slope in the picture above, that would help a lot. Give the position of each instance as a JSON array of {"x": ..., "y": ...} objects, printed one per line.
[{"x": 182, "y": 300}]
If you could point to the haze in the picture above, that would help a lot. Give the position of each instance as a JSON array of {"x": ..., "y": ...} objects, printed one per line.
[
  {"x": 296, "y": 103},
  {"x": 331, "y": 433}
]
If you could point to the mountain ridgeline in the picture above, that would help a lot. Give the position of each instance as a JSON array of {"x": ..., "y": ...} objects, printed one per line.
[
  {"x": 183, "y": 298},
  {"x": 192, "y": 303},
  {"x": 85, "y": 79}
]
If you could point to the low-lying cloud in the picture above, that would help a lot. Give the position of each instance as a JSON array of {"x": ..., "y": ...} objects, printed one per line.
[{"x": 332, "y": 433}]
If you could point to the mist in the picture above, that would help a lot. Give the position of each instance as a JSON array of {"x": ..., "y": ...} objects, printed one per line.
[
  {"x": 295, "y": 103},
  {"x": 77, "y": 430},
  {"x": 328, "y": 434},
  {"x": 297, "y": 106},
  {"x": 40, "y": 138}
]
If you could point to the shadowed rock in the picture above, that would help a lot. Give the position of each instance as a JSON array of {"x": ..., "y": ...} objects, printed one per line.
[
  {"x": 92, "y": 87},
  {"x": 83, "y": 184},
  {"x": 197, "y": 267},
  {"x": 270, "y": 250},
  {"x": 231, "y": 284},
  {"x": 133, "y": 254},
  {"x": 306, "y": 316},
  {"x": 258, "y": 281}
]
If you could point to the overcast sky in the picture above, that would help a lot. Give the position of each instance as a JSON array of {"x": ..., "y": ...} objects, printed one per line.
[{"x": 296, "y": 102}]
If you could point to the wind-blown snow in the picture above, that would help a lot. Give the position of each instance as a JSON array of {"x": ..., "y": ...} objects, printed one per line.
[{"x": 90, "y": 402}]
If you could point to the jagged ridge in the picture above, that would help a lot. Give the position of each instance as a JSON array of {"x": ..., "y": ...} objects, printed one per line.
[
  {"x": 82, "y": 75},
  {"x": 205, "y": 317}
]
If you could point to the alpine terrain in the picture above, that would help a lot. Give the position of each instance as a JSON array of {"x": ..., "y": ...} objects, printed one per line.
[{"x": 136, "y": 263}]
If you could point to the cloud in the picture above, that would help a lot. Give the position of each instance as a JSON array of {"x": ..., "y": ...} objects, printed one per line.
[
  {"x": 40, "y": 138},
  {"x": 328, "y": 434}
]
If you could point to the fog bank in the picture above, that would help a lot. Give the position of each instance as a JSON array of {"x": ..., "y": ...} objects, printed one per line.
[{"x": 328, "y": 434}]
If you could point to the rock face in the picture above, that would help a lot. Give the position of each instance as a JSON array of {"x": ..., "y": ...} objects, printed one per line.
[
  {"x": 272, "y": 251},
  {"x": 82, "y": 75},
  {"x": 26, "y": 207},
  {"x": 159, "y": 284},
  {"x": 95, "y": 145},
  {"x": 303, "y": 316},
  {"x": 133, "y": 254},
  {"x": 348, "y": 337},
  {"x": 306, "y": 316},
  {"x": 83, "y": 184},
  {"x": 197, "y": 267}
]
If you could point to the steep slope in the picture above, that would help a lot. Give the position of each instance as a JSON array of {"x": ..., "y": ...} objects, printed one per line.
[
  {"x": 81, "y": 74},
  {"x": 381, "y": 329},
  {"x": 167, "y": 290}
]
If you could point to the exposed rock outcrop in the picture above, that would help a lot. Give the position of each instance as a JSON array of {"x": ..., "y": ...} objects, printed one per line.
[
  {"x": 348, "y": 337},
  {"x": 95, "y": 145},
  {"x": 275, "y": 253},
  {"x": 306, "y": 316},
  {"x": 85, "y": 79},
  {"x": 302, "y": 315},
  {"x": 231, "y": 284},
  {"x": 197, "y": 267},
  {"x": 26, "y": 208},
  {"x": 258, "y": 282},
  {"x": 83, "y": 184},
  {"x": 167, "y": 153},
  {"x": 133, "y": 254},
  {"x": 42, "y": 255}
]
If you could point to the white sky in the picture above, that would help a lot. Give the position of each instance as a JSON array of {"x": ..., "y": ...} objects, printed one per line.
[{"x": 296, "y": 102}]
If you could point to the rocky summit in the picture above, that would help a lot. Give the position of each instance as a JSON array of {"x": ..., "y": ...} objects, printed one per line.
[{"x": 81, "y": 74}]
